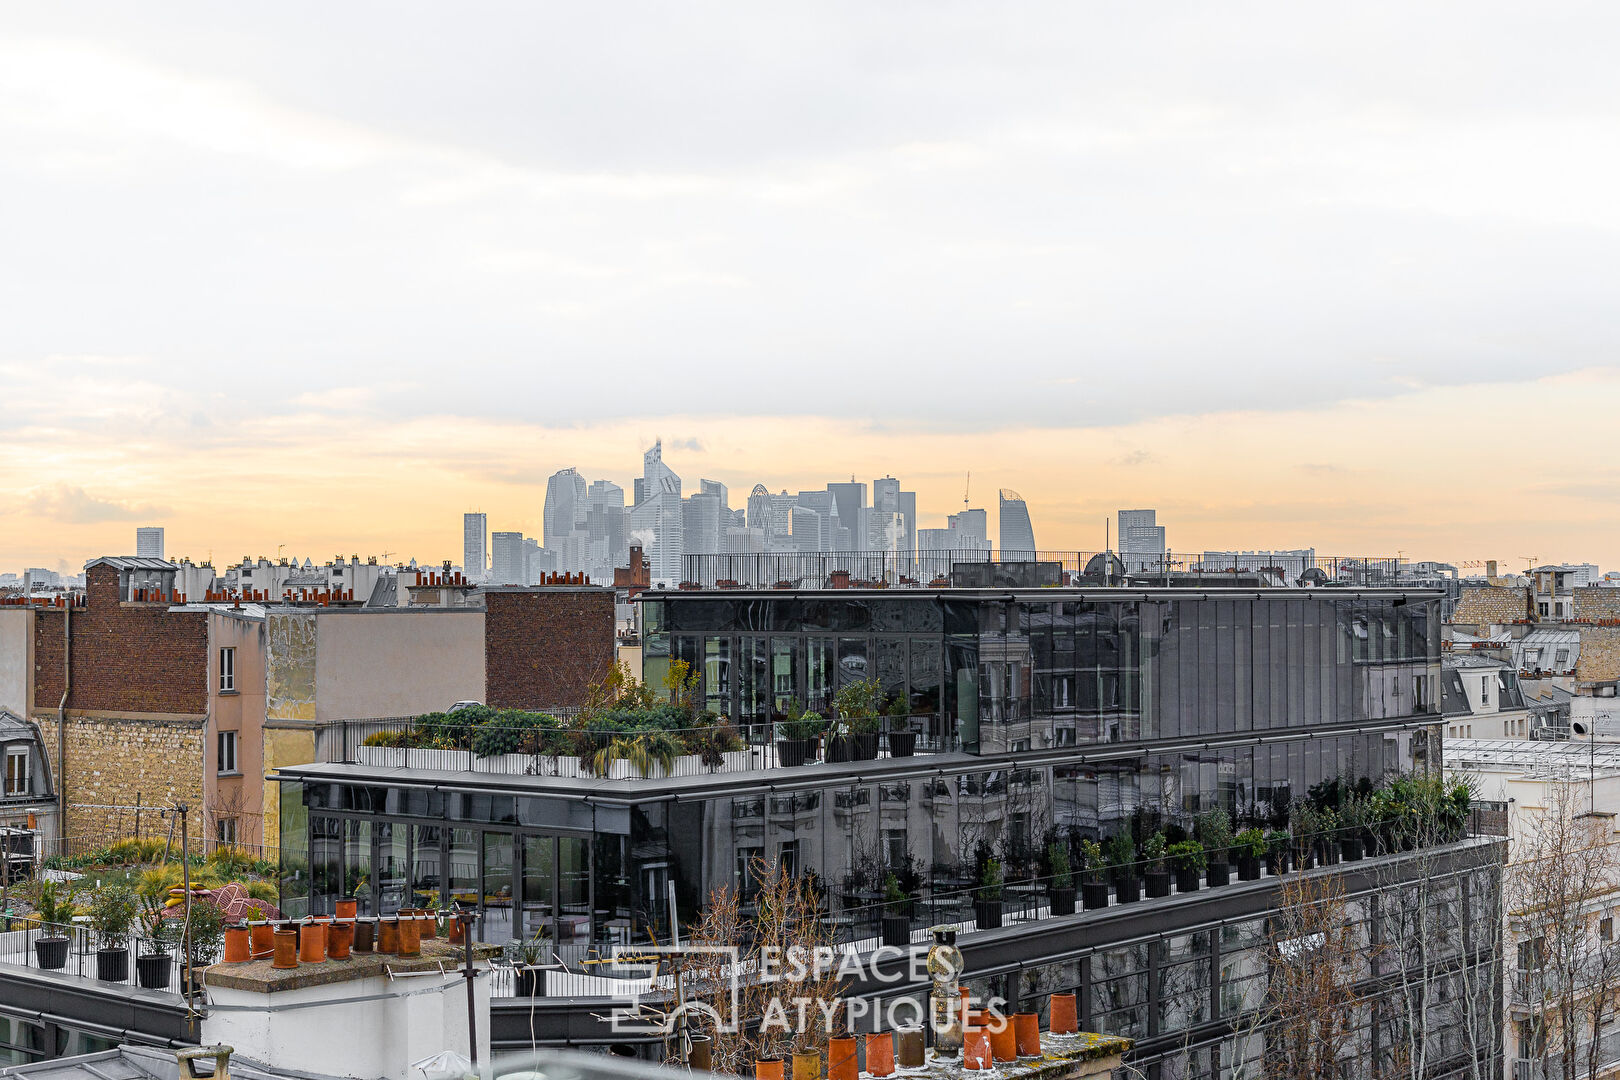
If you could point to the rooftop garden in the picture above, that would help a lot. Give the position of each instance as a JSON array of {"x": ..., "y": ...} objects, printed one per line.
[{"x": 622, "y": 720}]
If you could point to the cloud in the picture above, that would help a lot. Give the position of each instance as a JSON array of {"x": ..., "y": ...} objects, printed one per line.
[
  {"x": 691, "y": 445},
  {"x": 75, "y": 506},
  {"x": 1319, "y": 468},
  {"x": 1138, "y": 456}
]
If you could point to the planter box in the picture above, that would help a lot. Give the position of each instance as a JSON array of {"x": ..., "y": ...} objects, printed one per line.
[
  {"x": 863, "y": 747},
  {"x": 987, "y": 913},
  {"x": 1188, "y": 880},
  {"x": 52, "y": 952},
  {"x": 1094, "y": 895},
  {"x": 400, "y": 757},
  {"x": 112, "y": 965},
  {"x": 1277, "y": 865},
  {"x": 1248, "y": 868},
  {"x": 528, "y": 982},
  {"x": 897, "y": 931},
  {"x": 791, "y": 753},
  {"x": 154, "y": 970},
  {"x": 1156, "y": 883},
  {"x": 1063, "y": 901},
  {"x": 902, "y": 743},
  {"x": 1351, "y": 849},
  {"x": 1127, "y": 890},
  {"x": 1218, "y": 874}
]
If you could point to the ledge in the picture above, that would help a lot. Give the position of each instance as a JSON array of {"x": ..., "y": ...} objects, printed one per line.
[{"x": 258, "y": 976}]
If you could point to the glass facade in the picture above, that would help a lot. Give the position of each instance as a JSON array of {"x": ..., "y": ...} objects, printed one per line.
[
  {"x": 991, "y": 673},
  {"x": 1174, "y": 705}
]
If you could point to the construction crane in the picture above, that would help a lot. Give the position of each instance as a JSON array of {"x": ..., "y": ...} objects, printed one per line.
[
  {"x": 966, "y": 486},
  {"x": 1530, "y": 562}
]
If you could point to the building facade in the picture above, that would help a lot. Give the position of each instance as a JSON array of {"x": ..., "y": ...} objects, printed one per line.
[{"x": 1021, "y": 717}]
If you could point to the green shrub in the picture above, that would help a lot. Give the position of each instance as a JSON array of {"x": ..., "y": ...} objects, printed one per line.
[
  {"x": 1062, "y": 871},
  {"x": 1188, "y": 855},
  {"x": 1250, "y": 843},
  {"x": 112, "y": 910}
]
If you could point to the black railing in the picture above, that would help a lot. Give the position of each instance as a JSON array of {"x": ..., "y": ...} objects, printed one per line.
[
  {"x": 75, "y": 949},
  {"x": 855, "y": 569},
  {"x": 569, "y": 751}
]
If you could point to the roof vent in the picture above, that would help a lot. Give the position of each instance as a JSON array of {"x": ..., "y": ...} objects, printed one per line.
[{"x": 189, "y": 1056}]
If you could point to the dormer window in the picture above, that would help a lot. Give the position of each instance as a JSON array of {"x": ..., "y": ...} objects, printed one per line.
[{"x": 17, "y": 770}]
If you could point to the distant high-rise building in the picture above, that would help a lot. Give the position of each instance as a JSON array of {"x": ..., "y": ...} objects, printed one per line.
[
  {"x": 972, "y": 524},
  {"x": 851, "y": 500},
  {"x": 475, "y": 546},
  {"x": 657, "y": 518},
  {"x": 566, "y": 504},
  {"x": 1017, "y": 532},
  {"x": 149, "y": 542},
  {"x": 1141, "y": 540},
  {"x": 508, "y": 560},
  {"x": 703, "y": 524},
  {"x": 608, "y": 523}
]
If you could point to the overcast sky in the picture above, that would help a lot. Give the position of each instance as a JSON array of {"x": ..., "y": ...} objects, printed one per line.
[{"x": 328, "y": 275}]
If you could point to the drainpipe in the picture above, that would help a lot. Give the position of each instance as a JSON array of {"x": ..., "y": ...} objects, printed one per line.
[{"x": 61, "y": 719}]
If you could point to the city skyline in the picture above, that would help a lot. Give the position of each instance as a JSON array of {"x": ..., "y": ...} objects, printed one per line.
[{"x": 1373, "y": 502}]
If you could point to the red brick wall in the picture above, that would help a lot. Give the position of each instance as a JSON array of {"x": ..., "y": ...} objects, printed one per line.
[
  {"x": 126, "y": 658},
  {"x": 545, "y": 647}
]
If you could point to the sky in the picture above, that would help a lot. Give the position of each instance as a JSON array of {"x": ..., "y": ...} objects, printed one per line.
[{"x": 319, "y": 278}]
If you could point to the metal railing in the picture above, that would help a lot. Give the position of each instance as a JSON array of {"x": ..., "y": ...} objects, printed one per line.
[
  {"x": 828, "y": 569},
  {"x": 75, "y": 949},
  {"x": 564, "y": 751}
]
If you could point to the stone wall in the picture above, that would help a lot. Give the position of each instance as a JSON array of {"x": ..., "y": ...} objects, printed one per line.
[
  {"x": 117, "y": 761},
  {"x": 545, "y": 647},
  {"x": 1599, "y": 659},
  {"x": 1597, "y": 604},
  {"x": 127, "y": 657},
  {"x": 1492, "y": 606}
]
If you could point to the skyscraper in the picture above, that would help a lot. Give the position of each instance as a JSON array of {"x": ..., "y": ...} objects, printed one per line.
[
  {"x": 1017, "y": 532},
  {"x": 851, "y": 500},
  {"x": 564, "y": 513},
  {"x": 1141, "y": 539},
  {"x": 657, "y": 519},
  {"x": 509, "y": 562},
  {"x": 475, "y": 546},
  {"x": 149, "y": 542}
]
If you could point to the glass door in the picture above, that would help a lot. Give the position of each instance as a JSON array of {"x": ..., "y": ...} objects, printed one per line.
[
  {"x": 573, "y": 890},
  {"x": 495, "y": 903},
  {"x": 539, "y": 887}
]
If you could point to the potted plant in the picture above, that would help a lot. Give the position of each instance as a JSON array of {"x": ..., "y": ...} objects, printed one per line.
[
  {"x": 1156, "y": 879},
  {"x": 857, "y": 706},
  {"x": 1187, "y": 857},
  {"x": 1276, "y": 852},
  {"x": 1303, "y": 822},
  {"x": 1327, "y": 836},
  {"x": 1250, "y": 845},
  {"x": 1062, "y": 895},
  {"x": 526, "y": 958},
  {"x": 112, "y": 911},
  {"x": 896, "y": 914},
  {"x": 799, "y": 737},
  {"x": 987, "y": 901},
  {"x": 1215, "y": 831},
  {"x": 1352, "y": 828},
  {"x": 1094, "y": 886},
  {"x": 1121, "y": 856},
  {"x": 901, "y": 739},
  {"x": 207, "y": 934},
  {"x": 1453, "y": 812},
  {"x": 55, "y": 914},
  {"x": 154, "y": 964}
]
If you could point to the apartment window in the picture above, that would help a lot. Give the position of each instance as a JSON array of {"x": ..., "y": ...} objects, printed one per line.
[
  {"x": 1543, "y": 607},
  {"x": 895, "y": 855},
  {"x": 1561, "y": 658},
  {"x": 16, "y": 770},
  {"x": 227, "y": 752},
  {"x": 225, "y": 830},
  {"x": 1532, "y": 658},
  {"x": 227, "y": 669},
  {"x": 1484, "y": 691},
  {"x": 1606, "y": 928}
]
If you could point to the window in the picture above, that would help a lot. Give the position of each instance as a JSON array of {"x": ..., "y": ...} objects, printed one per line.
[
  {"x": 1485, "y": 691},
  {"x": 1560, "y": 658},
  {"x": 1606, "y": 928},
  {"x": 1530, "y": 954},
  {"x": 1543, "y": 607},
  {"x": 17, "y": 770},
  {"x": 1532, "y": 658},
  {"x": 225, "y": 830},
  {"x": 227, "y": 752},
  {"x": 227, "y": 669},
  {"x": 895, "y": 855}
]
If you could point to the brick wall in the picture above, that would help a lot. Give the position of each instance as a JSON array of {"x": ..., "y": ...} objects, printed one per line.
[
  {"x": 1492, "y": 605},
  {"x": 126, "y": 657},
  {"x": 1599, "y": 660},
  {"x": 545, "y": 647},
  {"x": 115, "y": 761}
]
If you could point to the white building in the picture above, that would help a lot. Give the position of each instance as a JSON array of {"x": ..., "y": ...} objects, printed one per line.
[
  {"x": 149, "y": 542},
  {"x": 508, "y": 560},
  {"x": 1141, "y": 540},
  {"x": 475, "y": 546},
  {"x": 657, "y": 518}
]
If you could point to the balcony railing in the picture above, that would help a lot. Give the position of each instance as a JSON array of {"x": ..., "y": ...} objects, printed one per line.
[
  {"x": 76, "y": 950},
  {"x": 400, "y": 742}
]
